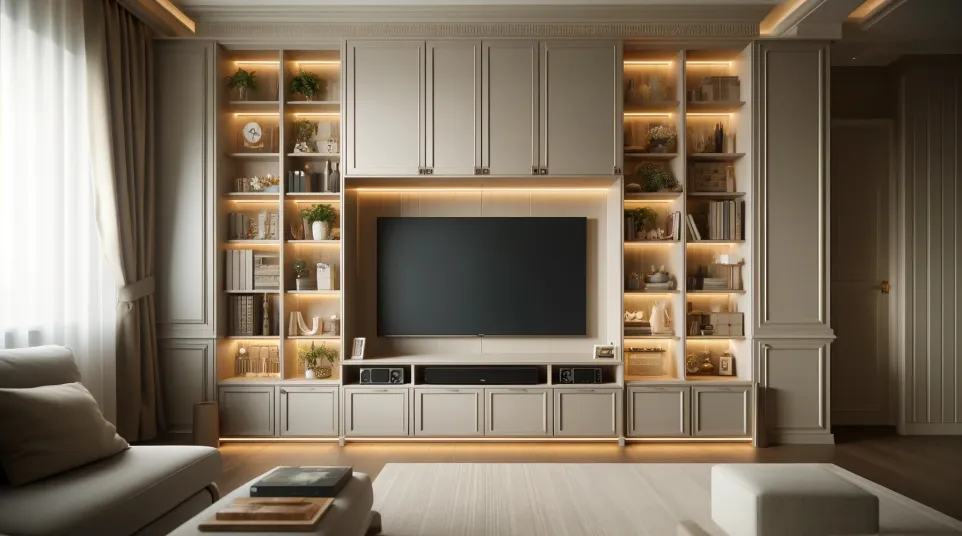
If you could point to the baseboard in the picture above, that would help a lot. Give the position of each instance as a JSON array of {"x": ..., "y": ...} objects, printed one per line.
[
  {"x": 931, "y": 428},
  {"x": 801, "y": 438}
]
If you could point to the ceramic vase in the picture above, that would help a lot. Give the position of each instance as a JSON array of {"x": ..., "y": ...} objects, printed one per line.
[
  {"x": 309, "y": 373},
  {"x": 320, "y": 230}
]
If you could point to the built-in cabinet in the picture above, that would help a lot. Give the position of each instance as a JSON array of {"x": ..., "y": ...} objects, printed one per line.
[
  {"x": 449, "y": 412},
  {"x": 675, "y": 410},
  {"x": 376, "y": 412},
  {"x": 721, "y": 410},
  {"x": 588, "y": 412},
  {"x": 518, "y": 412},
  {"x": 663, "y": 411},
  {"x": 186, "y": 368},
  {"x": 308, "y": 411},
  {"x": 247, "y": 411},
  {"x": 476, "y": 108}
]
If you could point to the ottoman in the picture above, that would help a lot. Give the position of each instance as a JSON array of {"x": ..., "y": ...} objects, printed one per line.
[
  {"x": 789, "y": 499},
  {"x": 349, "y": 515}
]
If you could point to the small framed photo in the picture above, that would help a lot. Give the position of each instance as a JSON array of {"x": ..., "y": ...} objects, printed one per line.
[
  {"x": 357, "y": 352},
  {"x": 605, "y": 351},
  {"x": 726, "y": 365}
]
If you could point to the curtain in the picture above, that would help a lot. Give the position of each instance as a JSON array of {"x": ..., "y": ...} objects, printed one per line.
[
  {"x": 54, "y": 284},
  {"x": 120, "y": 85}
]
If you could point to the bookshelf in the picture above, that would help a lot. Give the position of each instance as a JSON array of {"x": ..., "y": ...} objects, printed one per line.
[{"x": 276, "y": 110}]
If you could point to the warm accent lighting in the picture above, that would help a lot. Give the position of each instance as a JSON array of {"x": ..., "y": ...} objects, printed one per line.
[
  {"x": 707, "y": 114},
  {"x": 278, "y": 440},
  {"x": 257, "y": 62},
  {"x": 651, "y": 242},
  {"x": 484, "y": 189},
  {"x": 178, "y": 14},
  {"x": 867, "y": 9},
  {"x": 318, "y": 62},
  {"x": 318, "y": 114},
  {"x": 648, "y": 62},
  {"x": 254, "y": 114},
  {"x": 481, "y": 439},
  {"x": 646, "y": 114},
  {"x": 689, "y": 439},
  {"x": 777, "y": 15},
  {"x": 694, "y": 63},
  {"x": 261, "y": 201}
]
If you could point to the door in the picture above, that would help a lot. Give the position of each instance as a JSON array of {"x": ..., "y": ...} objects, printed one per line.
[
  {"x": 517, "y": 412},
  {"x": 580, "y": 102},
  {"x": 453, "y": 107},
  {"x": 308, "y": 411},
  {"x": 186, "y": 368},
  {"x": 247, "y": 411},
  {"x": 384, "y": 108},
  {"x": 721, "y": 410},
  {"x": 587, "y": 412},
  {"x": 862, "y": 354},
  {"x": 448, "y": 412},
  {"x": 375, "y": 412},
  {"x": 509, "y": 107},
  {"x": 662, "y": 411}
]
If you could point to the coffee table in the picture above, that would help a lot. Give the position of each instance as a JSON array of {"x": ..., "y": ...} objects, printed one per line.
[{"x": 349, "y": 515}]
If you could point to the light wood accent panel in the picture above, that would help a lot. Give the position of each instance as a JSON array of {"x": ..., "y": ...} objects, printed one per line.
[
  {"x": 185, "y": 178},
  {"x": 794, "y": 401},
  {"x": 931, "y": 192},
  {"x": 448, "y": 412},
  {"x": 659, "y": 411},
  {"x": 518, "y": 411},
  {"x": 453, "y": 107},
  {"x": 186, "y": 369},
  {"x": 308, "y": 411}
]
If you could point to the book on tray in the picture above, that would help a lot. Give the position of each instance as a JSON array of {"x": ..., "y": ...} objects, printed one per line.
[{"x": 303, "y": 481}]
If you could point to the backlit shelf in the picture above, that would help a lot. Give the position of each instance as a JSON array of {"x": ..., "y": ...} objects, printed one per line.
[
  {"x": 254, "y": 242},
  {"x": 690, "y": 242},
  {"x": 651, "y": 196},
  {"x": 306, "y": 103},
  {"x": 715, "y": 337},
  {"x": 256, "y": 291},
  {"x": 255, "y": 156},
  {"x": 254, "y": 337},
  {"x": 720, "y": 291},
  {"x": 716, "y": 195},
  {"x": 254, "y": 196},
  {"x": 312, "y": 242},
  {"x": 315, "y": 292},
  {"x": 653, "y": 337},
  {"x": 713, "y": 378},
  {"x": 314, "y": 155},
  {"x": 651, "y": 242},
  {"x": 715, "y": 157},
  {"x": 649, "y": 292},
  {"x": 329, "y": 197},
  {"x": 315, "y": 337},
  {"x": 640, "y": 154},
  {"x": 714, "y": 106},
  {"x": 650, "y": 108}
]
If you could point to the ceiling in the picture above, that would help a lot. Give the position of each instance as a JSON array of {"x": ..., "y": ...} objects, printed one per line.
[{"x": 909, "y": 27}]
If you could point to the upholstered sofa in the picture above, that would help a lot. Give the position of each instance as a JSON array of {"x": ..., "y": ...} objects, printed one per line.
[{"x": 144, "y": 490}]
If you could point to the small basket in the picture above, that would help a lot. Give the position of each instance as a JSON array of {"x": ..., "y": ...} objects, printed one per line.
[{"x": 322, "y": 373}]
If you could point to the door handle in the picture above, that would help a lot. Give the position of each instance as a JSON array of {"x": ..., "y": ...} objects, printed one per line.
[{"x": 886, "y": 287}]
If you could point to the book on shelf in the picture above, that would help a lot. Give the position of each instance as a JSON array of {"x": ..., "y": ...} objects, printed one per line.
[
  {"x": 305, "y": 481},
  {"x": 246, "y": 315},
  {"x": 725, "y": 220},
  {"x": 264, "y": 225}
]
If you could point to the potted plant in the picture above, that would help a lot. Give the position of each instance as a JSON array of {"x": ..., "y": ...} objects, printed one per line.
[
  {"x": 307, "y": 84},
  {"x": 311, "y": 358},
  {"x": 304, "y": 131},
  {"x": 303, "y": 280},
  {"x": 660, "y": 139},
  {"x": 243, "y": 81},
  {"x": 655, "y": 178},
  {"x": 321, "y": 218},
  {"x": 644, "y": 218}
]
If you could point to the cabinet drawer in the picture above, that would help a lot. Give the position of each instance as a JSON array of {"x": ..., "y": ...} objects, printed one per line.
[
  {"x": 375, "y": 412},
  {"x": 659, "y": 411},
  {"x": 448, "y": 412},
  {"x": 247, "y": 411},
  {"x": 587, "y": 412},
  {"x": 308, "y": 411},
  {"x": 722, "y": 411},
  {"x": 518, "y": 412}
]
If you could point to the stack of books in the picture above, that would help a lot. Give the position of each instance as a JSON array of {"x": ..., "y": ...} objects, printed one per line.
[
  {"x": 637, "y": 328},
  {"x": 246, "y": 269},
  {"x": 714, "y": 283},
  {"x": 261, "y": 226},
  {"x": 246, "y": 315}
]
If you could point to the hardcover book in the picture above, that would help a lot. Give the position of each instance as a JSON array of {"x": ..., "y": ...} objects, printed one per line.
[{"x": 307, "y": 481}]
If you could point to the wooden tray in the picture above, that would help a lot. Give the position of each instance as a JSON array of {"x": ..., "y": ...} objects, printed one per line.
[{"x": 306, "y": 525}]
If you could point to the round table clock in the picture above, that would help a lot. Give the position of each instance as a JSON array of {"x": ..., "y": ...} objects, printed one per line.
[{"x": 253, "y": 135}]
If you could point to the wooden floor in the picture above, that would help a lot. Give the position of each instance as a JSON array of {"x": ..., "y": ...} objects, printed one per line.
[{"x": 926, "y": 469}]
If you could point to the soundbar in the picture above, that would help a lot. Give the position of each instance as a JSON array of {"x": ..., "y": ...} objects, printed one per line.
[{"x": 481, "y": 375}]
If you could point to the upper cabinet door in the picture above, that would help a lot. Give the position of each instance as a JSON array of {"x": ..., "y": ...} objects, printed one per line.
[
  {"x": 580, "y": 103},
  {"x": 384, "y": 112},
  {"x": 509, "y": 105},
  {"x": 453, "y": 109}
]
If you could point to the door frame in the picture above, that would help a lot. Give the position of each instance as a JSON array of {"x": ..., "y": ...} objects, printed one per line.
[{"x": 895, "y": 230}]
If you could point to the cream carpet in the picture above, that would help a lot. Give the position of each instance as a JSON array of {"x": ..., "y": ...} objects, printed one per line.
[{"x": 524, "y": 499}]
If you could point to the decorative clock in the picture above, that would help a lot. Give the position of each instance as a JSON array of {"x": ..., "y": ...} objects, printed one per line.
[{"x": 253, "y": 136}]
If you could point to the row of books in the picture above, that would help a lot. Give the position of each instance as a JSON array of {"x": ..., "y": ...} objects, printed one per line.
[
  {"x": 262, "y": 226},
  {"x": 246, "y": 269},
  {"x": 725, "y": 220},
  {"x": 247, "y": 315}
]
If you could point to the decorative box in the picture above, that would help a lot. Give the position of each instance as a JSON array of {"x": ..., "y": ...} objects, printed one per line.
[
  {"x": 325, "y": 276},
  {"x": 646, "y": 362}
]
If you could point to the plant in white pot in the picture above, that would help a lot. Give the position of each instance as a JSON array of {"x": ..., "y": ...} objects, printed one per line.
[
  {"x": 321, "y": 218},
  {"x": 303, "y": 274},
  {"x": 311, "y": 356},
  {"x": 243, "y": 81}
]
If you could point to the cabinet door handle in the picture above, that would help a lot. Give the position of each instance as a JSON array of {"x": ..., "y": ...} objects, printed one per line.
[
  {"x": 534, "y": 170},
  {"x": 617, "y": 171},
  {"x": 378, "y": 390},
  {"x": 485, "y": 171},
  {"x": 453, "y": 390},
  {"x": 477, "y": 171},
  {"x": 544, "y": 171},
  {"x": 430, "y": 171},
  {"x": 283, "y": 391}
]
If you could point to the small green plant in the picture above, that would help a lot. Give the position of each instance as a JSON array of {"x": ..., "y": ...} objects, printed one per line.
[
  {"x": 300, "y": 268},
  {"x": 645, "y": 218},
  {"x": 661, "y": 135},
  {"x": 242, "y": 79},
  {"x": 312, "y": 355},
  {"x": 307, "y": 84},
  {"x": 304, "y": 130},
  {"x": 325, "y": 213},
  {"x": 654, "y": 178}
]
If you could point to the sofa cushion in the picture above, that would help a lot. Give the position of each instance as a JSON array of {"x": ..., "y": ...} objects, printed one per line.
[
  {"x": 50, "y": 429},
  {"x": 41, "y": 365},
  {"x": 119, "y": 495}
]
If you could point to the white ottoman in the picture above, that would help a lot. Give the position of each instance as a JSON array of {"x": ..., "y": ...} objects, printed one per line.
[{"x": 789, "y": 499}]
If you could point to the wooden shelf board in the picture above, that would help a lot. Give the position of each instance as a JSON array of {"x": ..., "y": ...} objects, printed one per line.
[
  {"x": 253, "y": 102},
  {"x": 715, "y": 337},
  {"x": 716, "y": 195},
  {"x": 314, "y": 103},
  {"x": 716, "y": 241},
  {"x": 711, "y": 378},
  {"x": 650, "y": 379},
  {"x": 715, "y": 157},
  {"x": 651, "y": 196},
  {"x": 722, "y": 291},
  {"x": 259, "y": 291},
  {"x": 315, "y": 292},
  {"x": 483, "y": 359},
  {"x": 332, "y": 196},
  {"x": 253, "y": 242},
  {"x": 310, "y": 242},
  {"x": 314, "y": 155},
  {"x": 630, "y": 152},
  {"x": 243, "y": 380},
  {"x": 254, "y": 156},
  {"x": 260, "y": 196},
  {"x": 713, "y": 106},
  {"x": 316, "y": 337},
  {"x": 639, "y": 242},
  {"x": 259, "y": 337},
  {"x": 662, "y": 337},
  {"x": 655, "y": 292}
]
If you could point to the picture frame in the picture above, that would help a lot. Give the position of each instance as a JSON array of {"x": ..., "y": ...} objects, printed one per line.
[
  {"x": 605, "y": 351},
  {"x": 726, "y": 365},
  {"x": 357, "y": 351}
]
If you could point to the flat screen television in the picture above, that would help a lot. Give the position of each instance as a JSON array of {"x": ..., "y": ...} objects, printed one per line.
[{"x": 481, "y": 276}]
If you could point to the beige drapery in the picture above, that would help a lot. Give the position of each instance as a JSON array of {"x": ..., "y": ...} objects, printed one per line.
[{"x": 120, "y": 89}]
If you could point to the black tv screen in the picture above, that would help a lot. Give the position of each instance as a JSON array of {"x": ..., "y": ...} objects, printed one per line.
[{"x": 481, "y": 276}]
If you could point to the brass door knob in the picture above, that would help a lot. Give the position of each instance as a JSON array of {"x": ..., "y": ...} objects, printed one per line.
[{"x": 886, "y": 287}]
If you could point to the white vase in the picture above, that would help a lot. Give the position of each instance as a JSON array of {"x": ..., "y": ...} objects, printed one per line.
[
  {"x": 659, "y": 317},
  {"x": 309, "y": 374},
  {"x": 320, "y": 230}
]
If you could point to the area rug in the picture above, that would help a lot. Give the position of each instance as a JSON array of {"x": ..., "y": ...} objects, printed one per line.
[{"x": 527, "y": 499}]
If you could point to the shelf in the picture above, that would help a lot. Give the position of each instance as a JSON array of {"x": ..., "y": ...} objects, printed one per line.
[
  {"x": 254, "y": 196},
  {"x": 314, "y": 103},
  {"x": 252, "y": 337},
  {"x": 254, "y": 242},
  {"x": 630, "y": 152},
  {"x": 651, "y": 242},
  {"x": 650, "y": 379},
  {"x": 246, "y": 103},
  {"x": 715, "y": 337},
  {"x": 716, "y": 195},
  {"x": 315, "y": 292},
  {"x": 651, "y": 196},
  {"x": 304, "y": 381},
  {"x": 655, "y": 292},
  {"x": 715, "y": 378},
  {"x": 716, "y": 157},
  {"x": 315, "y": 337},
  {"x": 312, "y": 242},
  {"x": 245, "y": 380},
  {"x": 714, "y": 106},
  {"x": 255, "y": 156},
  {"x": 259, "y": 291},
  {"x": 650, "y": 107},
  {"x": 583, "y": 358},
  {"x": 722, "y": 291},
  {"x": 314, "y": 155},
  {"x": 655, "y": 337},
  {"x": 716, "y": 242}
]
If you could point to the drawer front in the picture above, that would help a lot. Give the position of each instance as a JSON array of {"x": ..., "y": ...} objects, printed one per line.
[
  {"x": 308, "y": 411},
  {"x": 448, "y": 412},
  {"x": 720, "y": 411},
  {"x": 659, "y": 411},
  {"x": 518, "y": 412},
  {"x": 587, "y": 412},
  {"x": 375, "y": 412}
]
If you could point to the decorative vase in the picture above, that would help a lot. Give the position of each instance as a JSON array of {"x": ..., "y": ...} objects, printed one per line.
[
  {"x": 303, "y": 283},
  {"x": 659, "y": 317},
  {"x": 320, "y": 230},
  {"x": 323, "y": 373},
  {"x": 658, "y": 146},
  {"x": 634, "y": 282},
  {"x": 242, "y": 93},
  {"x": 309, "y": 373}
]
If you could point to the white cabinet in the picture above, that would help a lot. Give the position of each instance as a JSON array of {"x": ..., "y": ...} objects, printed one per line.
[
  {"x": 662, "y": 411},
  {"x": 375, "y": 412},
  {"x": 452, "y": 139},
  {"x": 448, "y": 412},
  {"x": 384, "y": 112},
  {"x": 587, "y": 412},
  {"x": 581, "y": 130},
  {"x": 247, "y": 411},
  {"x": 186, "y": 368},
  {"x": 721, "y": 411},
  {"x": 308, "y": 411},
  {"x": 509, "y": 107},
  {"x": 518, "y": 412}
]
